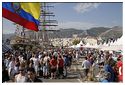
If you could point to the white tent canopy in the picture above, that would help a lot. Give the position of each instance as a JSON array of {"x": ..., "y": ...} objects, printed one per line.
[
  {"x": 88, "y": 45},
  {"x": 73, "y": 46},
  {"x": 95, "y": 46},
  {"x": 117, "y": 45},
  {"x": 119, "y": 41},
  {"x": 113, "y": 47}
]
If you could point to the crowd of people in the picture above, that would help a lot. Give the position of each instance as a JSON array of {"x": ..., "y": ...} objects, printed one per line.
[
  {"x": 29, "y": 66},
  {"x": 47, "y": 64},
  {"x": 107, "y": 67}
]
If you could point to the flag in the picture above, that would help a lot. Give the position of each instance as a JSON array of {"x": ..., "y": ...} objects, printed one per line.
[{"x": 25, "y": 14}]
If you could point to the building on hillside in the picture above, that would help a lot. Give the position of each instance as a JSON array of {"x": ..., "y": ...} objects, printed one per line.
[{"x": 91, "y": 40}]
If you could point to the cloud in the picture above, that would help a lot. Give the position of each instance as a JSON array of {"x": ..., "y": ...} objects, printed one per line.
[
  {"x": 76, "y": 25},
  {"x": 85, "y": 7}
]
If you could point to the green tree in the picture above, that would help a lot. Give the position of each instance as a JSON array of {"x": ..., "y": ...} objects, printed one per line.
[{"x": 75, "y": 42}]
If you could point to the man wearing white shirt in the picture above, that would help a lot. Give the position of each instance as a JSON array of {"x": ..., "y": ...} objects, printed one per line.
[
  {"x": 86, "y": 66},
  {"x": 36, "y": 63}
]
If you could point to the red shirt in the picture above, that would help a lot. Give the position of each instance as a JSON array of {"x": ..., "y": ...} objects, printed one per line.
[
  {"x": 120, "y": 72},
  {"x": 119, "y": 63},
  {"x": 60, "y": 62},
  {"x": 53, "y": 62}
]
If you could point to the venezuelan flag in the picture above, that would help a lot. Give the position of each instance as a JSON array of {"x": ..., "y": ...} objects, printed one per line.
[{"x": 25, "y": 14}]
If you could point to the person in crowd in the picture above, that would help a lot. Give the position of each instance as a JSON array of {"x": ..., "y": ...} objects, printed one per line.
[
  {"x": 46, "y": 66},
  {"x": 5, "y": 76},
  {"x": 70, "y": 60},
  {"x": 40, "y": 55},
  {"x": 106, "y": 77},
  {"x": 86, "y": 67},
  {"x": 66, "y": 63},
  {"x": 31, "y": 76},
  {"x": 23, "y": 62},
  {"x": 36, "y": 63},
  {"x": 7, "y": 60},
  {"x": 77, "y": 57},
  {"x": 53, "y": 66},
  {"x": 17, "y": 64},
  {"x": 41, "y": 67},
  {"x": 60, "y": 66},
  {"x": 95, "y": 69},
  {"x": 108, "y": 68},
  {"x": 21, "y": 77},
  {"x": 31, "y": 64},
  {"x": 120, "y": 68},
  {"x": 106, "y": 56},
  {"x": 11, "y": 69},
  {"x": 29, "y": 54},
  {"x": 91, "y": 60}
]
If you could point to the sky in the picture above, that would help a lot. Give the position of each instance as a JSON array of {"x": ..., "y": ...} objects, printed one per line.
[{"x": 81, "y": 16}]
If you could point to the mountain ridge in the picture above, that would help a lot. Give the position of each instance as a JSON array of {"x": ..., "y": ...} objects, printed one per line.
[{"x": 105, "y": 32}]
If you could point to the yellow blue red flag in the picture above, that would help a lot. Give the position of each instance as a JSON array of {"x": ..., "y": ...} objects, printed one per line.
[{"x": 25, "y": 13}]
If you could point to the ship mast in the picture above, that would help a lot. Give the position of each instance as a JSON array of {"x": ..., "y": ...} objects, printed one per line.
[{"x": 46, "y": 23}]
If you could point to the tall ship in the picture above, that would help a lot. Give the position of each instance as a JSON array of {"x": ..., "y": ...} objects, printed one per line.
[{"x": 24, "y": 37}]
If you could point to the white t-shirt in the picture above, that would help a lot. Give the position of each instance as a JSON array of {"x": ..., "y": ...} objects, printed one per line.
[
  {"x": 77, "y": 55},
  {"x": 36, "y": 61},
  {"x": 11, "y": 68},
  {"x": 40, "y": 56},
  {"x": 19, "y": 78}
]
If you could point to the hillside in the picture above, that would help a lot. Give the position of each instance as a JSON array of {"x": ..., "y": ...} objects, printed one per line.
[
  {"x": 103, "y": 32},
  {"x": 114, "y": 32},
  {"x": 65, "y": 33},
  {"x": 96, "y": 31}
]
